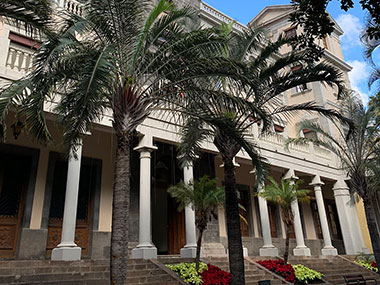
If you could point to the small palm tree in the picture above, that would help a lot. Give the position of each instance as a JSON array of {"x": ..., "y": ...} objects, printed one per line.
[
  {"x": 204, "y": 196},
  {"x": 359, "y": 153},
  {"x": 283, "y": 195}
]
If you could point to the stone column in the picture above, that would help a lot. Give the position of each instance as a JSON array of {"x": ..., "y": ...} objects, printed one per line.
[
  {"x": 348, "y": 219},
  {"x": 145, "y": 248},
  {"x": 301, "y": 249},
  {"x": 190, "y": 249},
  {"x": 67, "y": 250},
  {"x": 342, "y": 199},
  {"x": 328, "y": 249},
  {"x": 268, "y": 249}
]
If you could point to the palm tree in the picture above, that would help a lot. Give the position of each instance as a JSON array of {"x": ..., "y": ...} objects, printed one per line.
[
  {"x": 226, "y": 113},
  {"x": 359, "y": 153},
  {"x": 204, "y": 196},
  {"x": 121, "y": 56},
  {"x": 283, "y": 195}
]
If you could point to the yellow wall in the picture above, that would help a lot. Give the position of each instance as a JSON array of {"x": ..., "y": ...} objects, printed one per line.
[{"x": 363, "y": 224}]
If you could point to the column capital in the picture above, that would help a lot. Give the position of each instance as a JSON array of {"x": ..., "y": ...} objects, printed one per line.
[
  {"x": 234, "y": 163},
  {"x": 340, "y": 184},
  {"x": 317, "y": 181},
  {"x": 290, "y": 175},
  {"x": 145, "y": 144}
]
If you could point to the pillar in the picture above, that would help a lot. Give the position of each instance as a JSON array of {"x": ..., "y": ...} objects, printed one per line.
[
  {"x": 67, "y": 250},
  {"x": 268, "y": 249},
  {"x": 145, "y": 248},
  {"x": 301, "y": 249},
  {"x": 342, "y": 200},
  {"x": 190, "y": 249},
  {"x": 328, "y": 249}
]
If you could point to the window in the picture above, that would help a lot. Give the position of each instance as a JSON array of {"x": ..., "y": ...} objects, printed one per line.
[
  {"x": 309, "y": 134},
  {"x": 278, "y": 129},
  {"x": 291, "y": 33},
  {"x": 301, "y": 88}
]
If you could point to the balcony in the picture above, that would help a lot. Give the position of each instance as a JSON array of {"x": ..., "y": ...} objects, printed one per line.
[
  {"x": 19, "y": 59},
  {"x": 70, "y": 6}
]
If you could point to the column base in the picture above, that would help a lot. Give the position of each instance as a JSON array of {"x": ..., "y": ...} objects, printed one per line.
[
  {"x": 189, "y": 252},
  {"x": 365, "y": 250},
  {"x": 301, "y": 251},
  {"x": 245, "y": 251},
  {"x": 66, "y": 253},
  {"x": 329, "y": 251},
  {"x": 269, "y": 251},
  {"x": 144, "y": 252}
]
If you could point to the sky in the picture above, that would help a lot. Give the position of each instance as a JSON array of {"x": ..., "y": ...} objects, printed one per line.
[{"x": 352, "y": 23}]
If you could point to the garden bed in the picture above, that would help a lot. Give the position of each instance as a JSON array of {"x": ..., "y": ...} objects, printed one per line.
[
  {"x": 297, "y": 274},
  {"x": 208, "y": 274}
]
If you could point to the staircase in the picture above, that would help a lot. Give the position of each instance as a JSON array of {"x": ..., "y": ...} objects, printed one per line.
[
  {"x": 94, "y": 272},
  {"x": 334, "y": 267},
  {"x": 253, "y": 274}
]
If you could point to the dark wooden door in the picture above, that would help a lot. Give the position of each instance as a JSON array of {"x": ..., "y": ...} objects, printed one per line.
[
  {"x": 86, "y": 185},
  {"x": 244, "y": 213},
  {"x": 176, "y": 228},
  {"x": 273, "y": 220},
  {"x": 14, "y": 176}
]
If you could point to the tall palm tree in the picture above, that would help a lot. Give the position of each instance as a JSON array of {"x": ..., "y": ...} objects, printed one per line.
[
  {"x": 226, "y": 113},
  {"x": 204, "y": 196},
  {"x": 359, "y": 153},
  {"x": 283, "y": 195},
  {"x": 127, "y": 57}
]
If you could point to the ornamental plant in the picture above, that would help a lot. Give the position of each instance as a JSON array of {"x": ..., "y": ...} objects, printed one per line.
[
  {"x": 213, "y": 275},
  {"x": 188, "y": 272},
  {"x": 305, "y": 275},
  {"x": 279, "y": 267},
  {"x": 368, "y": 265}
]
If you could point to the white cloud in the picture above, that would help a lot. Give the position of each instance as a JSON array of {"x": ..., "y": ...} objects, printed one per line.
[
  {"x": 352, "y": 28},
  {"x": 359, "y": 78}
]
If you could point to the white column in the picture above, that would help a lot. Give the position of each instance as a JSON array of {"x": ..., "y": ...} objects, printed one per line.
[
  {"x": 145, "y": 249},
  {"x": 67, "y": 249},
  {"x": 342, "y": 200},
  {"x": 268, "y": 249},
  {"x": 301, "y": 249},
  {"x": 190, "y": 249},
  {"x": 328, "y": 249}
]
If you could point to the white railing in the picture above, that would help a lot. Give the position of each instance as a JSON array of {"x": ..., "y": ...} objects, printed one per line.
[
  {"x": 70, "y": 5},
  {"x": 273, "y": 138},
  {"x": 19, "y": 58},
  {"x": 300, "y": 147},
  {"x": 222, "y": 17},
  {"x": 322, "y": 152}
]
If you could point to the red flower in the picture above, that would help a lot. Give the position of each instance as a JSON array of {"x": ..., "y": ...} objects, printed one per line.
[
  {"x": 373, "y": 264},
  {"x": 215, "y": 276},
  {"x": 278, "y": 266}
]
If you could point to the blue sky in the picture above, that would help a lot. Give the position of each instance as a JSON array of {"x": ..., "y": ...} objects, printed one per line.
[{"x": 351, "y": 22}]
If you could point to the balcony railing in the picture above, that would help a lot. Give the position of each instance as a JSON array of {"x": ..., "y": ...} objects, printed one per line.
[
  {"x": 222, "y": 17},
  {"x": 70, "y": 5},
  {"x": 19, "y": 58}
]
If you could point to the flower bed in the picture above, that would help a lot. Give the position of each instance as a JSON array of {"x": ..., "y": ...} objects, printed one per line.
[
  {"x": 298, "y": 274},
  {"x": 367, "y": 264},
  {"x": 277, "y": 266},
  {"x": 208, "y": 274}
]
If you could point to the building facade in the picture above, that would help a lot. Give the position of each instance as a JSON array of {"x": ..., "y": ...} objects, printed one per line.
[{"x": 35, "y": 180}]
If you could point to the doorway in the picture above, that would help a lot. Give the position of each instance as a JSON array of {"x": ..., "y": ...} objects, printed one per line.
[
  {"x": 87, "y": 185},
  {"x": 168, "y": 225},
  {"x": 14, "y": 178}
]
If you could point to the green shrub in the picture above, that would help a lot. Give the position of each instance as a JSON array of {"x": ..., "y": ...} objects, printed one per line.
[
  {"x": 366, "y": 264},
  {"x": 187, "y": 272},
  {"x": 305, "y": 275}
]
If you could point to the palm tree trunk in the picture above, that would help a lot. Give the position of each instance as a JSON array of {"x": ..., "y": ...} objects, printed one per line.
[
  {"x": 235, "y": 245},
  {"x": 286, "y": 253},
  {"x": 372, "y": 228},
  {"x": 198, "y": 255},
  {"x": 120, "y": 211}
]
